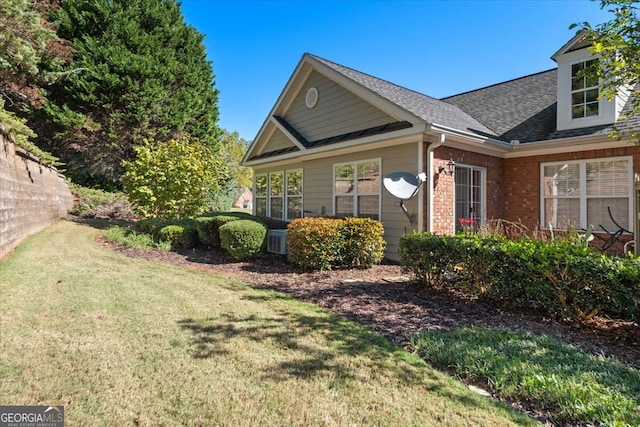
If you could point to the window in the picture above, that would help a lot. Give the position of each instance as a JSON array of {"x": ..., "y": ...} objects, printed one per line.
[
  {"x": 470, "y": 196},
  {"x": 276, "y": 195},
  {"x": 357, "y": 189},
  {"x": 279, "y": 194},
  {"x": 581, "y": 193},
  {"x": 584, "y": 90},
  {"x": 294, "y": 194},
  {"x": 261, "y": 195}
]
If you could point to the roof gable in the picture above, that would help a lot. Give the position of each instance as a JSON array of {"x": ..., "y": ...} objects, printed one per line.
[{"x": 345, "y": 111}]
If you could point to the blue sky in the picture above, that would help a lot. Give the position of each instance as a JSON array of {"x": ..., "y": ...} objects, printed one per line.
[{"x": 438, "y": 48}]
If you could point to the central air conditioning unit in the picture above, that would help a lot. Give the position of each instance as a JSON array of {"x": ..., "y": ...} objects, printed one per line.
[{"x": 277, "y": 241}]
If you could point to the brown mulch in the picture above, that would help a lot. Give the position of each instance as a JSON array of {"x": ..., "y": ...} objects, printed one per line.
[{"x": 385, "y": 299}]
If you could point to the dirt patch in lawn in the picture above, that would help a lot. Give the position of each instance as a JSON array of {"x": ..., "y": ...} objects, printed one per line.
[{"x": 385, "y": 299}]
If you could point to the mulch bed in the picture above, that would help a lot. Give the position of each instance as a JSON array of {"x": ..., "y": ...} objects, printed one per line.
[{"x": 385, "y": 299}]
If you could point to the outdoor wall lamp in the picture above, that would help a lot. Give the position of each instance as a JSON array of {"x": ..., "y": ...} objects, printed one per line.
[{"x": 449, "y": 168}]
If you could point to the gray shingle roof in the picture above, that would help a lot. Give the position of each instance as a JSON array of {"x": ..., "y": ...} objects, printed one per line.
[
  {"x": 521, "y": 109},
  {"x": 425, "y": 107}
]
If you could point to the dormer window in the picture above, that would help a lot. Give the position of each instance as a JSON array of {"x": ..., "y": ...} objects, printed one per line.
[{"x": 584, "y": 91}]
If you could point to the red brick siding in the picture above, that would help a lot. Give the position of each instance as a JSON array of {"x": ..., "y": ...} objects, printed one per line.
[
  {"x": 522, "y": 181},
  {"x": 443, "y": 196},
  {"x": 513, "y": 185}
]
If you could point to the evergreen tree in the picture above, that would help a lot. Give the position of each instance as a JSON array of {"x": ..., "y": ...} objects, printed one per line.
[
  {"x": 141, "y": 72},
  {"x": 27, "y": 43}
]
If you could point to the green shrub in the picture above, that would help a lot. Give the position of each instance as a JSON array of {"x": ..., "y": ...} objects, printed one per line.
[
  {"x": 243, "y": 238},
  {"x": 95, "y": 203},
  {"x": 170, "y": 179},
  {"x": 150, "y": 226},
  {"x": 208, "y": 225},
  {"x": 430, "y": 258},
  {"x": 323, "y": 243},
  {"x": 314, "y": 243},
  {"x": 563, "y": 278},
  {"x": 362, "y": 242},
  {"x": 179, "y": 236},
  {"x": 179, "y": 233}
]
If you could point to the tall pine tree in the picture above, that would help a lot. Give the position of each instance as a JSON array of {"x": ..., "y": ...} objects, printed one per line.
[{"x": 139, "y": 72}]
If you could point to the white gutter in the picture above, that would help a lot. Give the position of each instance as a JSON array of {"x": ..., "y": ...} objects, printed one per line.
[{"x": 430, "y": 188}]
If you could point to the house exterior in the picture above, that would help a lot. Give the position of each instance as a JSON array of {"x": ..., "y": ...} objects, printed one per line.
[
  {"x": 533, "y": 150},
  {"x": 242, "y": 198}
]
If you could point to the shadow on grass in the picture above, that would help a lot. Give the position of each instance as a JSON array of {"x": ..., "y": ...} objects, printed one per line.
[{"x": 320, "y": 346}]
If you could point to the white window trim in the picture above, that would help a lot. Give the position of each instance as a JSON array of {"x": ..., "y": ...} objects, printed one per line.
[
  {"x": 483, "y": 195},
  {"x": 583, "y": 90},
  {"x": 255, "y": 195},
  {"x": 355, "y": 194},
  {"x": 286, "y": 194},
  {"x": 277, "y": 196},
  {"x": 583, "y": 187}
]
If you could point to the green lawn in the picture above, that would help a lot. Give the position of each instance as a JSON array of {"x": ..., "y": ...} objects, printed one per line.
[{"x": 122, "y": 341}]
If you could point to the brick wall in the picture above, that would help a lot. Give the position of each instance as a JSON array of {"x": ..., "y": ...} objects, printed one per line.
[
  {"x": 522, "y": 181},
  {"x": 444, "y": 186},
  {"x": 32, "y": 196}
]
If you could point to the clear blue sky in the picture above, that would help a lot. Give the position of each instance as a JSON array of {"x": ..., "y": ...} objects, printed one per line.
[{"x": 438, "y": 48}]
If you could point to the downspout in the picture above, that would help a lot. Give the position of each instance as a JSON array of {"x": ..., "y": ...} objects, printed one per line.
[{"x": 430, "y": 188}]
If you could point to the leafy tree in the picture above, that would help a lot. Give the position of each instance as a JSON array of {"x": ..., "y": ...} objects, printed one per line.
[
  {"x": 170, "y": 179},
  {"x": 142, "y": 73},
  {"x": 232, "y": 150},
  {"x": 617, "y": 44}
]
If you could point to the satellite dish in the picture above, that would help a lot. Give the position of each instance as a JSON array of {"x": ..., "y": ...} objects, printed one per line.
[{"x": 404, "y": 186}]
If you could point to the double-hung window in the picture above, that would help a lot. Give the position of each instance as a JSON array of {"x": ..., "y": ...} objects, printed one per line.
[
  {"x": 584, "y": 90},
  {"x": 357, "y": 189},
  {"x": 581, "y": 193},
  {"x": 294, "y": 194},
  {"x": 260, "y": 195},
  {"x": 279, "y": 194}
]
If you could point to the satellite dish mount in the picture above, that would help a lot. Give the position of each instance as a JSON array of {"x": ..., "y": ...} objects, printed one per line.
[{"x": 404, "y": 186}]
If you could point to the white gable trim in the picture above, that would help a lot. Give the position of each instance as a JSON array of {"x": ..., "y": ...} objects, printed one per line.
[
  {"x": 286, "y": 133},
  {"x": 304, "y": 68}
]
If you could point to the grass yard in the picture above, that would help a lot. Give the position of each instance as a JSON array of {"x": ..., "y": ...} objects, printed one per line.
[{"x": 121, "y": 341}]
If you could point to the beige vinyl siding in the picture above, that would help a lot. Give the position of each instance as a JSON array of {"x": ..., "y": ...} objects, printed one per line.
[
  {"x": 277, "y": 141},
  {"x": 318, "y": 188},
  {"x": 337, "y": 112}
]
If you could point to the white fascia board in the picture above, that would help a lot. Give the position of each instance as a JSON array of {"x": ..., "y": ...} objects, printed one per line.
[
  {"x": 288, "y": 134},
  {"x": 390, "y": 139},
  {"x": 567, "y": 145},
  {"x": 299, "y": 73}
]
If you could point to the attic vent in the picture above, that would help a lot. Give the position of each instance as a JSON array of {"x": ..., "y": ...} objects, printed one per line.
[{"x": 312, "y": 97}]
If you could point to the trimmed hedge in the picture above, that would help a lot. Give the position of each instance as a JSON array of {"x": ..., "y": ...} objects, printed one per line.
[
  {"x": 179, "y": 236},
  {"x": 323, "y": 243},
  {"x": 208, "y": 225},
  {"x": 563, "y": 279},
  {"x": 243, "y": 238},
  {"x": 180, "y": 233}
]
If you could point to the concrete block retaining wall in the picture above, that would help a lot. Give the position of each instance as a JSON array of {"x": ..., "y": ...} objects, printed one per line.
[{"x": 32, "y": 196}]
